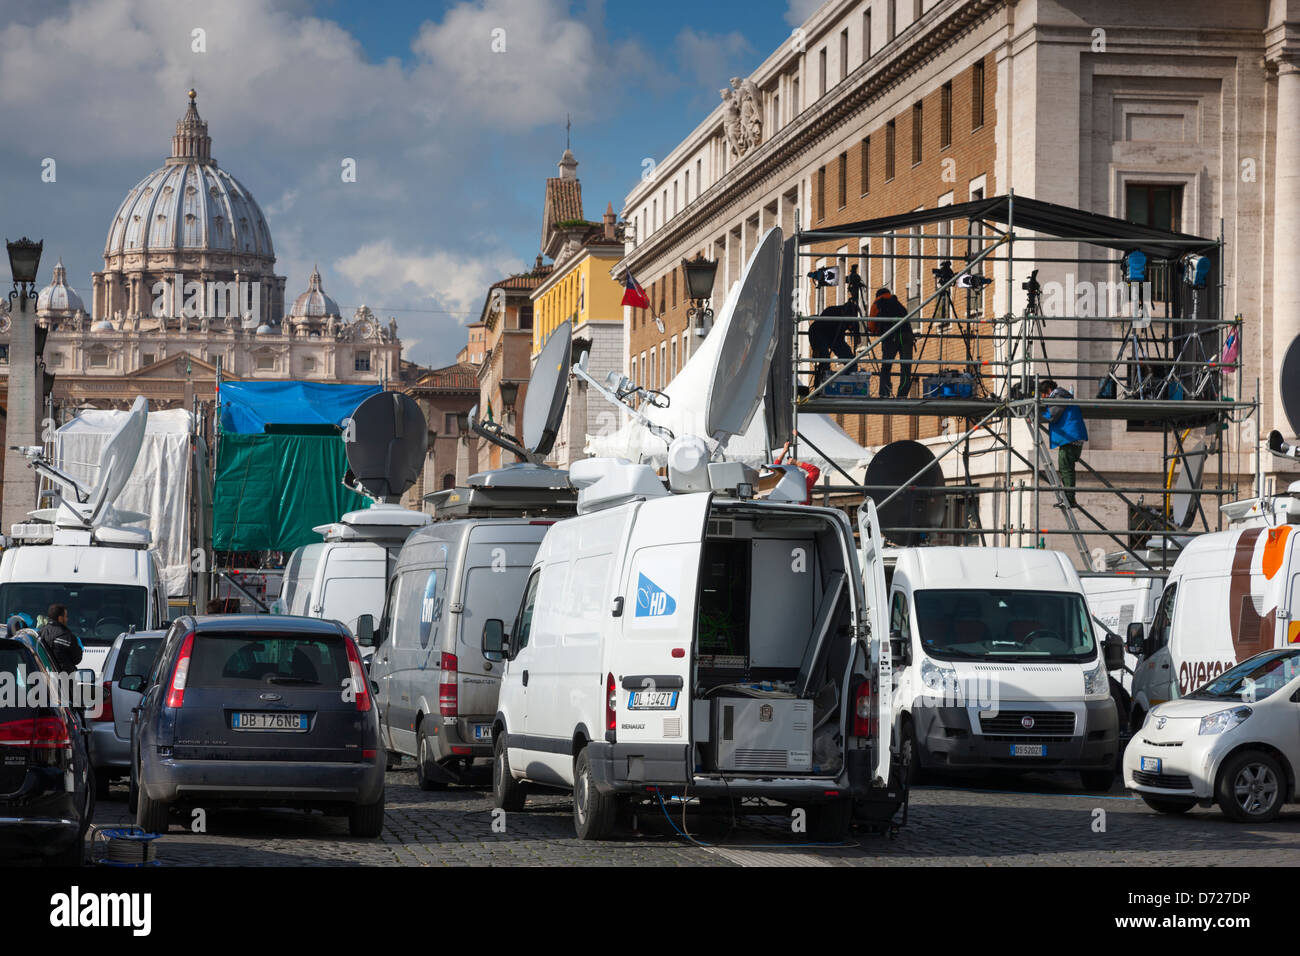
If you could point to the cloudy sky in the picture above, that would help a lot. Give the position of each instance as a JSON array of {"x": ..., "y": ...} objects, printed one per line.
[{"x": 452, "y": 141}]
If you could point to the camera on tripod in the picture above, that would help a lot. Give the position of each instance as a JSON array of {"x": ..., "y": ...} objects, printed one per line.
[
  {"x": 944, "y": 273},
  {"x": 1032, "y": 286},
  {"x": 969, "y": 281}
]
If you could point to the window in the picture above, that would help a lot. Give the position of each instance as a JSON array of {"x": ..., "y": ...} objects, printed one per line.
[
  {"x": 675, "y": 207},
  {"x": 448, "y": 481},
  {"x": 794, "y": 98},
  {"x": 309, "y": 364},
  {"x": 97, "y": 358},
  {"x": 674, "y": 288},
  {"x": 900, "y": 627},
  {"x": 264, "y": 360},
  {"x": 526, "y": 314},
  {"x": 524, "y": 624},
  {"x": 654, "y": 214},
  {"x": 891, "y": 19},
  {"x": 699, "y": 176},
  {"x": 361, "y": 361},
  {"x": 992, "y": 624},
  {"x": 843, "y": 183},
  {"x": 672, "y": 359},
  {"x": 844, "y": 53},
  {"x": 146, "y": 358},
  {"x": 821, "y": 194},
  {"x": 56, "y": 359},
  {"x": 1164, "y": 618},
  {"x": 945, "y": 116},
  {"x": 1154, "y": 204},
  {"x": 890, "y": 143},
  {"x": 653, "y": 377},
  {"x": 916, "y": 133},
  {"x": 821, "y": 72},
  {"x": 686, "y": 190},
  {"x": 776, "y": 111},
  {"x": 866, "y": 34},
  {"x": 977, "y": 96},
  {"x": 449, "y": 426},
  {"x": 864, "y": 173}
]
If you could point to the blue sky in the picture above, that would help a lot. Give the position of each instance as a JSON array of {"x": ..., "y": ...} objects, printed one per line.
[{"x": 452, "y": 141}]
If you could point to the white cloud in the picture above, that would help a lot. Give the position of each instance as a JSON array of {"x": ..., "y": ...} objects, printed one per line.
[
  {"x": 711, "y": 58},
  {"x": 797, "y": 11}
]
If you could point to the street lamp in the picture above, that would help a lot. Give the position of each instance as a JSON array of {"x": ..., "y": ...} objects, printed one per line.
[
  {"x": 24, "y": 261},
  {"x": 462, "y": 423},
  {"x": 509, "y": 392},
  {"x": 700, "y": 273}
]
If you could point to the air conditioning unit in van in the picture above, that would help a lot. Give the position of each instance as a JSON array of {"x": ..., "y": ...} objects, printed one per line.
[{"x": 757, "y": 735}]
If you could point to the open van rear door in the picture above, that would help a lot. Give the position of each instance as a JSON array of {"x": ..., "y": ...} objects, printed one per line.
[
  {"x": 871, "y": 557},
  {"x": 651, "y": 664}
]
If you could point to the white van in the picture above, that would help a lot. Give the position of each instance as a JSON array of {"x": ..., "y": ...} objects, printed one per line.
[
  {"x": 997, "y": 665},
  {"x": 696, "y": 644},
  {"x": 1229, "y": 596},
  {"x": 1116, "y": 601}
]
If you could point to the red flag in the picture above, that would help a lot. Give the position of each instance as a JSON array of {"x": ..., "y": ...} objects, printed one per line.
[{"x": 633, "y": 294}]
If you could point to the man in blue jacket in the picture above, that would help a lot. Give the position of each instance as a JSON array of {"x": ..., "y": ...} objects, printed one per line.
[{"x": 1065, "y": 430}]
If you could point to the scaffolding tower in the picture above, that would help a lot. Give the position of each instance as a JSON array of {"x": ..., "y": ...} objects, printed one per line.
[{"x": 1158, "y": 354}]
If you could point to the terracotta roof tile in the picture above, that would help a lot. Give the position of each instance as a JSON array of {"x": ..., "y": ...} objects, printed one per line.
[{"x": 461, "y": 377}]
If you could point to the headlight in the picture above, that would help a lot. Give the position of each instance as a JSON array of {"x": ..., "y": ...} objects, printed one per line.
[
  {"x": 1096, "y": 682},
  {"x": 1222, "y": 720},
  {"x": 940, "y": 679}
]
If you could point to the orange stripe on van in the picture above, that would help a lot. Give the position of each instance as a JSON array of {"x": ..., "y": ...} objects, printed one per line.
[{"x": 1275, "y": 550}]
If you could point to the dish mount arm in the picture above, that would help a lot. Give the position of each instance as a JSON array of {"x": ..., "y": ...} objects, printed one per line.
[
  {"x": 493, "y": 432},
  {"x": 658, "y": 399}
]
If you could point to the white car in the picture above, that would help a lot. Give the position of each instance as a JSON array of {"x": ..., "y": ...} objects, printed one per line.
[{"x": 1235, "y": 741}]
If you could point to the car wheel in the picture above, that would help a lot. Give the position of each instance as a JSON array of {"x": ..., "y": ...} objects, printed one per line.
[
  {"x": 507, "y": 792},
  {"x": 75, "y": 855},
  {"x": 594, "y": 813},
  {"x": 1098, "y": 780},
  {"x": 830, "y": 822},
  {"x": 367, "y": 820},
  {"x": 1168, "y": 804},
  {"x": 1251, "y": 788},
  {"x": 427, "y": 772},
  {"x": 910, "y": 753},
  {"x": 151, "y": 816}
]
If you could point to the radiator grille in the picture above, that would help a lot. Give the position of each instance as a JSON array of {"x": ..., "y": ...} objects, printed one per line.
[
  {"x": 1058, "y": 722},
  {"x": 761, "y": 760}
]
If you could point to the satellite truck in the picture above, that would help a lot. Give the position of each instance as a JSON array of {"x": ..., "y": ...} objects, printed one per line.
[
  {"x": 437, "y": 690},
  {"x": 687, "y": 640},
  {"x": 85, "y": 554}
]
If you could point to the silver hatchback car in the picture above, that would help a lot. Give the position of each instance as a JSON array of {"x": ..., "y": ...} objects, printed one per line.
[{"x": 110, "y": 732}]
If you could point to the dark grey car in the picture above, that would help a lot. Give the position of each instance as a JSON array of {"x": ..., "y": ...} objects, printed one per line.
[
  {"x": 257, "y": 710},
  {"x": 109, "y": 733}
]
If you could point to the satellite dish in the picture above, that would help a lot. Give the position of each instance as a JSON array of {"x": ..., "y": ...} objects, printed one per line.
[
  {"x": 921, "y": 504},
  {"x": 1289, "y": 384},
  {"x": 1187, "y": 485},
  {"x": 385, "y": 445},
  {"x": 748, "y": 321},
  {"x": 547, "y": 389},
  {"x": 117, "y": 461}
]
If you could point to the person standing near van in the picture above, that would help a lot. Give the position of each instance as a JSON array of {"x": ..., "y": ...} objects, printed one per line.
[
  {"x": 64, "y": 647},
  {"x": 1066, "y": 432},
  {"x": 897, "y": 343}
]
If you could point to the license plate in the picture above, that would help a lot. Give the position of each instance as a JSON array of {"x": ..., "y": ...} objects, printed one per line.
[
  {"x": 1028, "y": 750},
  {"x": 482, "y": 731},
  {"x": 1151, "y": 764},
  {"x": 652, "y": 700},
  {"x": 259, "y": 720}
]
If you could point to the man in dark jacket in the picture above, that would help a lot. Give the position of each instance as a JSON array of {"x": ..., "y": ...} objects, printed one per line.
[
  {"x": 63, "y": 646},
  {"x": 897, "y": 343}
]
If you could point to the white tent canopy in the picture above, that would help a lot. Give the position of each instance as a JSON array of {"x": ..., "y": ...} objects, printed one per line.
[{"x": 157, "y": 485}]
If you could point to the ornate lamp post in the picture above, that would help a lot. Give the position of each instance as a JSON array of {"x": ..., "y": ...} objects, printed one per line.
[
  {"x": 699, "y": 273},
  {"x": 24, "y": 386}
]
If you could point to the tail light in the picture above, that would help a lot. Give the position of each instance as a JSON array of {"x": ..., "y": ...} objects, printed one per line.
[
  {"x": 35, "y": 733},
  {"x": 864, "y": 723},
  {"x": 360, "y": 686},
  {"x": 448, "y": 699},
  {"x": 180, "y": 673},
  {"x": 106, "y": 712},
  {"x": 611, "y": 703}
]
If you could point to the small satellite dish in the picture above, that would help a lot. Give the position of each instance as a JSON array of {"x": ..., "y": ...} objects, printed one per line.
[
  {"x": 659, "y": 324},
  {"x": 1289, "y": 384},
  {"x": 547, "y": 389},
  {"x": 117, "y": 461},
  {"x": 748, "y": 321},
  {"x": 385, "y": 444},
  {"x": 1187, "y": 485},
  {"x": 921, "y": 503}
]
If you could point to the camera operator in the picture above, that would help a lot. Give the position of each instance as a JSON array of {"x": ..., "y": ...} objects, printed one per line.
[{"x": 897, "y": 342}]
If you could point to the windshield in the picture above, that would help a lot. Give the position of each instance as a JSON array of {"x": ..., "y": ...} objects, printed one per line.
[
  {"x": 97, "y": 613},
  {"x": 1254, "y": 679},
  {"x": 1004, "y": 625}
]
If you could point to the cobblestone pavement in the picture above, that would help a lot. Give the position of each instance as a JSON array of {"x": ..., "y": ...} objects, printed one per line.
[{"x": 1039, "y": 819}]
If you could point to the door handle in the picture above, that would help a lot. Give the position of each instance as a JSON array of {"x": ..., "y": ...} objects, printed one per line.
[{"x": 525, "y": 678}]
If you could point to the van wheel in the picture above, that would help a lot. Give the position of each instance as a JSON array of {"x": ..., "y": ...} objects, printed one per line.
[
  {"x": 1099, "y": 780},
  {"x": 1167, "y": 804},
  {"x": 594, "y": 813},
  {"x": 830, "y": 822},
  {"x": 152, "y": 816},
  {"x": 367, "y": 819},
  {"x": 427, "y": 772},
  {"x": 507, "y": 792},
  {"x": 1251, "y": 788}
]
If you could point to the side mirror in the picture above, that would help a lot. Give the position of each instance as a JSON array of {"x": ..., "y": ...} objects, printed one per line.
[
  {"x": 86, "y": 689},
  {"x": 366, "y": 630},
  {"x": 1113, "y": 653},
  {"x": 1135, "y": 637},
  {"x": 495, "y": 645},
  {"x": 900, "y": 648},
  {"x": 133, "y": 683}
]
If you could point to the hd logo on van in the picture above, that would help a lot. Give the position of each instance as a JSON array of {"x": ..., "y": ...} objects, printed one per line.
[
  {"x": 429, "y": 610},
  {"x": 652, "y": 600}
]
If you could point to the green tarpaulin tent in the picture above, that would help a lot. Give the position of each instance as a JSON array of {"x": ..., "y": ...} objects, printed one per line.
[{"x": 271, "y": 489}]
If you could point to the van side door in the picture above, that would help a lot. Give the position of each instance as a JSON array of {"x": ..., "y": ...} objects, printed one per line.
[
  {"x": 382, "y": 664},
  {"x": 871, "y": 556}
]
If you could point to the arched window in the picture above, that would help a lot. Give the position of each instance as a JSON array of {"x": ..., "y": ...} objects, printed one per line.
[{"x": 448, "y": 481}]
